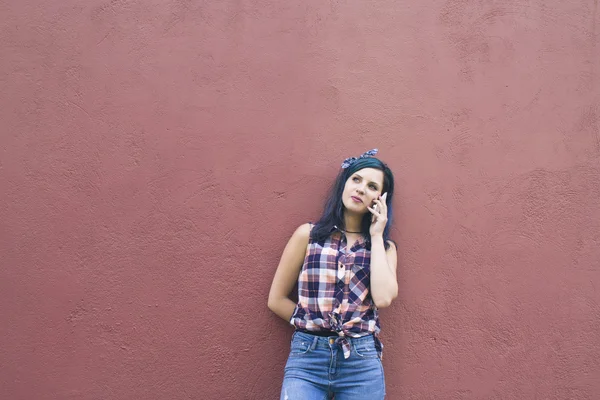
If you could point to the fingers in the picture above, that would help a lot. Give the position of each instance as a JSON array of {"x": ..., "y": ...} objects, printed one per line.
[
  {"x": 379, "y": 209},
  {"x": 379, "y": 215},
  {"x": 381, "y": 203}
]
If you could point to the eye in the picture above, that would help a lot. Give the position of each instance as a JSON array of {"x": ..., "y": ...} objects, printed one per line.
[
  {"x": 356, "y": 179},
  {"x": 373, "y": 187}
]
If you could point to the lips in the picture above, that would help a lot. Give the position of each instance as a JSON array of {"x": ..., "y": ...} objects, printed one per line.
[{"x": 356, "y": 199}]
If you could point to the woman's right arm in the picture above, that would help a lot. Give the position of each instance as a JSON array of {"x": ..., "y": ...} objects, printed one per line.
[{"x": 287, "y": 273}]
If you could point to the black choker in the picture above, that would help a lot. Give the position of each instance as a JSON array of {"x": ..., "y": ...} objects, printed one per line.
[{"x": 339, "y": 229}]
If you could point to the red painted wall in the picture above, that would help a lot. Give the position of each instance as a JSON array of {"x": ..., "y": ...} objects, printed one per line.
[{"x": 155, "y": 157}]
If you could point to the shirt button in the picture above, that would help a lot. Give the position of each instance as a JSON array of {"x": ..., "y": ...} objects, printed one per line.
[{"x": 341, "y": 265}]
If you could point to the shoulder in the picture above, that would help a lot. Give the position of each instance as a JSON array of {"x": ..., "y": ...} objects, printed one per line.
[{"x": 302, "y": 233}]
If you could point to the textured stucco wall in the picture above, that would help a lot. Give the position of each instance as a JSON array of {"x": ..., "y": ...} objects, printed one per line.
[{"x": 156, "y": 155}]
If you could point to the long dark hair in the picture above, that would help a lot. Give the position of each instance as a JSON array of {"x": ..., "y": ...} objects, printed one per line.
[{"x": 333, "y": 213}]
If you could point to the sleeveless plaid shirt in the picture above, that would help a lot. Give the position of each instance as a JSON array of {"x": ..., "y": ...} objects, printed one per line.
[{"x": 333, "y": 291}]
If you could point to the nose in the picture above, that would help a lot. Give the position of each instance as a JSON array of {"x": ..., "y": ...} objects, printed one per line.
[{"x": 360, "y": 189}]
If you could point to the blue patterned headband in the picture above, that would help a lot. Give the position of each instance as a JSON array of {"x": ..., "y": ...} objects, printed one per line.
[{"x": 349, "y": 161}]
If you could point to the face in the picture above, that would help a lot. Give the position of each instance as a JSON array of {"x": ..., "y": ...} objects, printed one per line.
[{"x": 361, "y": 189}]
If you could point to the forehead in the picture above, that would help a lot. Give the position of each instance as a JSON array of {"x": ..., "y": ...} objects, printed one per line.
[{"x": 371, "y": 174}]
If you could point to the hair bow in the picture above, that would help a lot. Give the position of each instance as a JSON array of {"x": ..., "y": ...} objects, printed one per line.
[{"x": 351, "y": 160}]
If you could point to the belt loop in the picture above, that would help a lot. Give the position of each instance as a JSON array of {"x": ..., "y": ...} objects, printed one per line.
[{"x": 314, "y": 343}]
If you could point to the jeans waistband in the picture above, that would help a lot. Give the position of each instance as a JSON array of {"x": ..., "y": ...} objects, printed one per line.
[{"x": 321, "y": 341}]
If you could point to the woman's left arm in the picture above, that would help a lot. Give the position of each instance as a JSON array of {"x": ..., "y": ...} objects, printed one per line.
[{"x": 384, "y": 285}]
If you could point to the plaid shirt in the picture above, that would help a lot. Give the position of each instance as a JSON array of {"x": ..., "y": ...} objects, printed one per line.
[{"x": 333, "y": 291}]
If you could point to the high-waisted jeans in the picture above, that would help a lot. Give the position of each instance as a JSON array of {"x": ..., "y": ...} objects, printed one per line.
[{"x": 317, "y": 370}]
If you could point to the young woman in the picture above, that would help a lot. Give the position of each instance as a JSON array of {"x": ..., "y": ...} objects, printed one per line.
[{"x": 345, "y": 267}]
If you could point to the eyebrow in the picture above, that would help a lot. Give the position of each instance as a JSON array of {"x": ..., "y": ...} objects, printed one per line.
[{"x": 373, "y": 182}]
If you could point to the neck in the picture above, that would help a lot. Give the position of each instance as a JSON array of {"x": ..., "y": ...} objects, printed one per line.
[{"x": 352, "y": 222}]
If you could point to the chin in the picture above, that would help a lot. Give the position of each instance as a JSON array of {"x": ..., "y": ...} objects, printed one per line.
[{"x": 356, "y": 208}]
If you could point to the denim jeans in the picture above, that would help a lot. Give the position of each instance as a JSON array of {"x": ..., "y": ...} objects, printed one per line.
[{"x": 317, "y": 370}]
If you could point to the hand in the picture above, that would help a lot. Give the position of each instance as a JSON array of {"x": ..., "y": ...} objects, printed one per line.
[{"x": 379, "y": 219}]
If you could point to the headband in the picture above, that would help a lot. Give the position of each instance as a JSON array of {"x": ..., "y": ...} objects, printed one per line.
[{"x": 351, "y": 160}]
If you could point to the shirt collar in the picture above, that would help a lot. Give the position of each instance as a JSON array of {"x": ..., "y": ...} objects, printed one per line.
[{"x": 361, "y": 242}]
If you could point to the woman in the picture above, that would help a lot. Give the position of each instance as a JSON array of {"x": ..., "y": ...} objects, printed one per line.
[{"x": 345, "y": 267}]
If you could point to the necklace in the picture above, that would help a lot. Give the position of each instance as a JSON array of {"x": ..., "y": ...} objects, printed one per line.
[{"x": 339, "y": 229}]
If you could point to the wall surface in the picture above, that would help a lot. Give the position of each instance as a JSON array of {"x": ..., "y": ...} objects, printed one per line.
[{"x": 155, "y": 156}]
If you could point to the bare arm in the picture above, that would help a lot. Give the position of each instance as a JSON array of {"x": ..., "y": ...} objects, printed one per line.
[
  {"x": 287, "y": 273},
  {"x": 384, "y": 285}
]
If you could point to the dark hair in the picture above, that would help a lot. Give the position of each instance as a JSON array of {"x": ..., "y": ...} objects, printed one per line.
[{"x": 333, "y": 214}]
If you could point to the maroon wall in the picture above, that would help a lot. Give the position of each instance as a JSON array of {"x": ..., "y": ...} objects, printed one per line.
[{"x": 156, "y": 155}]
